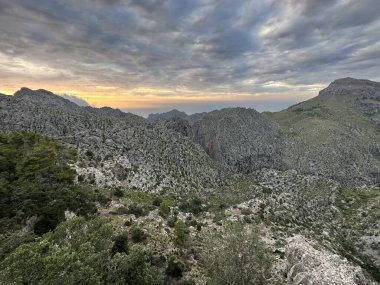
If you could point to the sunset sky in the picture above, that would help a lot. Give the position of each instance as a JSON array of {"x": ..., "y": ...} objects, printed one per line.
[{"x": 149, "y": 56}]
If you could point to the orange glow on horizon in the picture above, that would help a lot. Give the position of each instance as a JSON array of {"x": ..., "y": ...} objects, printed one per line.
[{"x": 148, "y": 97}]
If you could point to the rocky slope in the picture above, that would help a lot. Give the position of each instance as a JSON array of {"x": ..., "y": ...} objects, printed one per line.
[
  {"x": 307, "y": 265},
  {"x": 239, "y": 138},
  {"x": 115, "y": 148},
  {"x": 335, "y": 135}
]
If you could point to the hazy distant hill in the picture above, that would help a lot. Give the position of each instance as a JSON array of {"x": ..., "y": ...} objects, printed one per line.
[{"x": 168, "y": 115}]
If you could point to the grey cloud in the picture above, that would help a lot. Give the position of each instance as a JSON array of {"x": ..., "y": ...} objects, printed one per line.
[{"x": 204, "y": 45}]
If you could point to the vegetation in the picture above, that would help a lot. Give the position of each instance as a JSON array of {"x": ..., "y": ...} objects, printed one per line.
[
  {"x": 40, "y": 245},
  {"x": 175, "y": 268},
  {"x": 37, "y": 181},
  {"x": 79, "y": 252},
  {"x": 181, "y": 233},
  {"x": 138, "y": 235},
  {"x": 247, "y": 262},
  {"x": 192, "y": 206}
]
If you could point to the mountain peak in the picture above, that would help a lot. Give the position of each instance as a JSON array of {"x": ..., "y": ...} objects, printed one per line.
[
  {"x": 349, "y": 81},
  {"x": 25, "y": 91},
  {"x": 42, "y": 97},
  {"x": 351, "y": 87},
  {"x": 167, "y": 115}
]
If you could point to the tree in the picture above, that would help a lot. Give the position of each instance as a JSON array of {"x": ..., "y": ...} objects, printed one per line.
[{"x": 181, "y": 233}]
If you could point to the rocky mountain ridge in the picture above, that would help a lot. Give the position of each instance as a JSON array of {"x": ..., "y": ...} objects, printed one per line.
[
  {"x": 335, "y": 135},
  {"x": 115, "y": 148}
]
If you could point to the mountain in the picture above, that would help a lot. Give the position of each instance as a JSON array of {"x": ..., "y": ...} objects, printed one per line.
[
  {"x": 170, "y": 198},
  {"x": 168, "y": 115},
  {"x": 115, "y": 148},
  {"x": 334, "y": 135},
  {"x": 239, "y": 138}
]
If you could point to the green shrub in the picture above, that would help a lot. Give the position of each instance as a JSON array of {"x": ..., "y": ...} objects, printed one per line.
[
  {"x": 128, "y": 223},
  {"x": 248, "y": 262},
  {"x": 138, "y": 235},
  {"x": 247, "y": 219},
  {"x": 133, "y": 269},
  {"x": 120, "y": 244},
  {"x": 89, "y": 154},
  {"x": 122, "y": 210},
  {"x": 175, "y": 268},
  {"x": 80, "y": 252},
  {"x": 193, "y": 223},
  {"x": 193, "y": 206},
  {"x": 246, "y": 211},
  {"x": 118, "y": 193},
  {"x": 172, "y": 221},
  {"x": 156, "y": 202},
  {"x": 164, "y": 210},
  {"x": 181, "y": 233},
  {"x": 136, "y": 210},
  {"x": 36, "y": 180}
]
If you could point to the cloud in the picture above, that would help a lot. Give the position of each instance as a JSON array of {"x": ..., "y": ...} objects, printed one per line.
[
  {"x": 79, "y": 101},
  {"x": 205, "y": 46}
]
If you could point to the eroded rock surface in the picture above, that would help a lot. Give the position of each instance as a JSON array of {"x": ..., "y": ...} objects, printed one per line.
[{"x": 307, "y": 265}]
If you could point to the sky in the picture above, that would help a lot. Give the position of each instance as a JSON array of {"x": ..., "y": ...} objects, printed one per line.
[{"x": 149, "y": 56}]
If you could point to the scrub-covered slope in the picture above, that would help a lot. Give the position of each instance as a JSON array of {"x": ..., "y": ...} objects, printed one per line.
[{"x": 115, "y": 148}]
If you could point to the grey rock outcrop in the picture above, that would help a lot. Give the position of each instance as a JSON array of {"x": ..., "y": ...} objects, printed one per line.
[{"x": 307, "y": 265}]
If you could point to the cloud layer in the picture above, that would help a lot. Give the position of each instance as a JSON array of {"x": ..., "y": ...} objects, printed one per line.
[{"x": 132, "y": 54}]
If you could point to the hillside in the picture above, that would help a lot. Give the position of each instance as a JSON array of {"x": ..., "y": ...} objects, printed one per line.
[
  {"x": 115, "y": 148},
  {"x": 335, "y": 134},
  {"x": 239, "y": 138}
]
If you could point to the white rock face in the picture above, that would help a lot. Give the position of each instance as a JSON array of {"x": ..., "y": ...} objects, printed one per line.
[{"x": 307, "y": 265}]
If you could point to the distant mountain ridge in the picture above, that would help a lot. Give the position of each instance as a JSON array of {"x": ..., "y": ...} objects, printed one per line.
[{"x": 168, "y": 115}]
